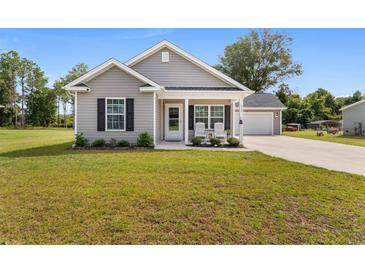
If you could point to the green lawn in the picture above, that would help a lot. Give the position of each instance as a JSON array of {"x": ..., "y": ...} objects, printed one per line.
[
  {"x": 338, "y": 138},
  {"x": 53, "y": 195}
]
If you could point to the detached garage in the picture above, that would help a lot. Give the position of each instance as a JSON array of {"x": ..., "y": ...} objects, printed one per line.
[{"x": 261, "y": 115}]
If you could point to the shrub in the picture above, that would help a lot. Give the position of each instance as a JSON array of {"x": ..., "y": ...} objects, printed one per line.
[
  {"x": 197, "y": 141},
  {"x": 144, "y": 140},
  {"x": 80, "y": 140},
  {"x": 99, "y": 143},
  {"x": 122, "y": 143},
  {"x": 233, "y": 142},
  {"x": 215, "y": 142}
]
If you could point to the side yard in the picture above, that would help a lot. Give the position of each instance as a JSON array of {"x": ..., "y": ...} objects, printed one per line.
[
  {"x": 337, "y": 138},
  {"x": 50, "y": 194}
]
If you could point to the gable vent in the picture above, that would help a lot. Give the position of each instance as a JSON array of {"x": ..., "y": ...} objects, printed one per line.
[{"x": 165, "y": 57}]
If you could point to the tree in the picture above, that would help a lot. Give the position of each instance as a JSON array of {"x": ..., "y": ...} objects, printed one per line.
[
  {"x": 63, "y": 95},
  {"x": 323, "y": 105},
  {"x": 24, "y": 72},
  {"x": 284, "y": 93},
  {"x": 42, "y": 107},
  {"x": 260, "y": 60},
  {"x": 9, "y": 64}
]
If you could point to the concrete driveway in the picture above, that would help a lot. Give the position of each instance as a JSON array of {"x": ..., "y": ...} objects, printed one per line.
[{"x": 329, "y": 155}]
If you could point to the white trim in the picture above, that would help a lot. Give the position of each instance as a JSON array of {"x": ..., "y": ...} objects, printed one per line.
[
  {"x": 161, "y": 120},
  {"x": 262, "y": 108},
  {"x": 166, "y": 117},
  {"x": 188, "y": 57},
  {"x": 233, "y": 110},
  {"x": 104, "y": 67},
  {"x": 241, "y": 119},
  {"x": 210, "y": 105},
  {"x": 150, "y": 89},
  {"x": 106, "y": 113},
  {"x": 281, "y": 123},
  {"x": 352, "y": 105},
  {"x": 75, "y": 114},
  {"x": 272, "y": 123},
  {"x": 154, "y": 118},
  {"x": 84, "y": 89},
  {"x": 186, "y": 121},
  {"x": 201, "y": 95}
]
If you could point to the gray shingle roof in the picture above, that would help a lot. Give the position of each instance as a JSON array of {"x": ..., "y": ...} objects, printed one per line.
[
  {"x": 263, "y": 100},
  {"x": 203, "y": 88}
]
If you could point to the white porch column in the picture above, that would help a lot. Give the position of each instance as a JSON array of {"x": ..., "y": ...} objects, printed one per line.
[
  {"x": 186, "y": 121},
  {"x": 241, "y": 121},
  {"x": 233, "y": 109},
  {"x": 162, "y": 117},
  {"x": 154, "y": 119}
]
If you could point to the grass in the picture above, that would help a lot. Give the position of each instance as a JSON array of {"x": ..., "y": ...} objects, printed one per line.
[
  {"x": 53, "y": 195},
  {"x": 11, "y": 139},
  {"x": 338, "y": 138}
]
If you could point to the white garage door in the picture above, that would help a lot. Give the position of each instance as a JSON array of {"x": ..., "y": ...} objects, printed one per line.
[{"x": 255, "y": 123}]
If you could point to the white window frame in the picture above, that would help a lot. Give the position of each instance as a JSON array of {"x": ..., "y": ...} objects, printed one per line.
[
  {"x": 165, "y": 57},
  {"x": 106, "y": 113},
  {"x": 210, "y": 105}
]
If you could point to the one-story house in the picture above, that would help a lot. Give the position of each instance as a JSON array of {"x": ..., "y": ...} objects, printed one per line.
[
  {"x": 165, "y": 91},
  {"x": 353, "y": 117}
]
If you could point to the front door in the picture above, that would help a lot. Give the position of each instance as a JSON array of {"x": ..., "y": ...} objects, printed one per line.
[{"x": 173, "y": 122}]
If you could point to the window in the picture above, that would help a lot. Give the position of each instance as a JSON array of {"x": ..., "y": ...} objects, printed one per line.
[
  {"x": 165, "y": 57},
  {"x": 209, "y": 114},
  {"x": 115, "y": 113},
  {"x": 216, "y": 115}
]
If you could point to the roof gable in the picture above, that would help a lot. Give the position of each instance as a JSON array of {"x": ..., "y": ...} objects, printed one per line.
[
  {"x": 353, "y": 105},
  {"x": 165, "y": 44},
  {"x": 75, "y": 85}
]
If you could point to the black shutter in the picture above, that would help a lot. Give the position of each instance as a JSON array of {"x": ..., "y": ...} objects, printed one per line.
[
  {"x": 101, "y": 114},
  {"x": 227, "y": 117},
  {"x": 130, "y": 114},
  {"x": 191, "y": 117}
]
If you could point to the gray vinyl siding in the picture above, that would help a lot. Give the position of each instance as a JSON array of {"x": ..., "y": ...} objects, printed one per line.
[
  {"x": 114, "y": 83},
  {"x": 350, "y": 116},
  {"x": 177, "y": 72}
]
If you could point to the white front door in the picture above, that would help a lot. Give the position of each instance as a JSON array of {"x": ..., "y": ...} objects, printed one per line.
[{"x": 173, "y": 122}]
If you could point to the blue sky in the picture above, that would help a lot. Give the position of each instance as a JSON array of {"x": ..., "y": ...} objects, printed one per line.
[{"x": 331, "y": 58}]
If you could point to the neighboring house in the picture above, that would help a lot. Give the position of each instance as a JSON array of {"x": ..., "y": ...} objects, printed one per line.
[
  {"x": 353, "y": 117},
  {"x": 164, "y": 91}
]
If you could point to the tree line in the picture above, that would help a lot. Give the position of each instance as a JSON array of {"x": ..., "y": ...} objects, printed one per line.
[
  {"x": 25, "y": 97},
  {"x": 317, "y": 105},
  {"x": 263, "y": 60},
  {"x": 260, "y": 60}
]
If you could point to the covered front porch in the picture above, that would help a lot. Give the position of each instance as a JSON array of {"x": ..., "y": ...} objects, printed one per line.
[{"x": 178, "y": 112}]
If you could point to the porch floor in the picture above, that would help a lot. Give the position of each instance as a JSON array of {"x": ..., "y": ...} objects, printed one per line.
[{"x": 164, "y": 145}]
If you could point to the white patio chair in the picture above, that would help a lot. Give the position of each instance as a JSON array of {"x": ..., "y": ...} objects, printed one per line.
[
  {"x": 200, "y": 130},
  {"x": 219, "y": 131}
]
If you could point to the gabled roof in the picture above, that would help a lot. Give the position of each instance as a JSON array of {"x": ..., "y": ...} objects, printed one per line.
[
  {"x": 187, "y": 56},
  {"x": 352, "y": 105},
  {"x": 262, "y": 100},
  {"x": 78, "y": 83}
]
